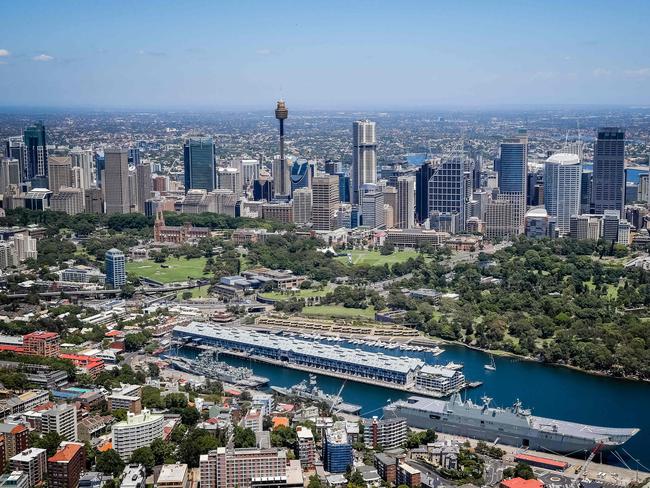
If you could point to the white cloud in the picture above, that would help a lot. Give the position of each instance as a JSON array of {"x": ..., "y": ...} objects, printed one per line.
[
  {"x": 601, "y": 72},
  {"x": 43, "y": 57},
  {"x": 4, "y": 53},
  {"x": 638, "y": 73}
]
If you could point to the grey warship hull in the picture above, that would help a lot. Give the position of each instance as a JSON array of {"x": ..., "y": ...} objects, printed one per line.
[{"x": 510, "y": 426}]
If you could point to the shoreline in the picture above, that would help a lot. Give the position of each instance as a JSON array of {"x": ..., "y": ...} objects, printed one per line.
[{"x": 502, "y": 353}]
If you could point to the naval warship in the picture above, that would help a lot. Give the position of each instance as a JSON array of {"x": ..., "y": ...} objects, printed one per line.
[
  {"x": 514, "y": 426},
  {"x": 208, "y": 365}
]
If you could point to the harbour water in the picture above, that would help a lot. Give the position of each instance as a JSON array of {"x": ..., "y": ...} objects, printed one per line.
[{"x": 550, "y": 391}]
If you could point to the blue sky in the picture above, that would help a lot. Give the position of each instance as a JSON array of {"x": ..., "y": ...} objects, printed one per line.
[{"x": 323, "y": 54}]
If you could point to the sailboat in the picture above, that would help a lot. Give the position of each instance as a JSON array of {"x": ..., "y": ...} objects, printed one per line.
[{"x": 491, "y": 366}]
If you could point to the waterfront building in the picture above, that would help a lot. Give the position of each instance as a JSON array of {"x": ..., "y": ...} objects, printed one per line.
[
  {"x": 64, "y": 468},
  {"x": 302, "y": 205},
  {"x": 32, "y": 462},
  {"x": 388, "y": 433},
  {"x": 115, "y": 268},
  {"x": 242, "y": 468},
  {"x": 306, "y": 446},
  {"x": 138, "y": 430},
  {"x": 404, "y": 215},
  {"x": 608, "y": 184},
  {"x": 440, "y": 379},
  {"x": 36, "y": 159},
  {"x": 364, "y": 157},
  {"x": 325, "y": 202},
  {"x": 59, "y": 172},
  {"x": 198, "y": 163},
  {"x": 369, "y": 365},
  {"x": 116, "y": 177},
  {"x": 447, "y": 188},
  {"x": 562, "y": 180},
  {"x": 337, "y": 449}
]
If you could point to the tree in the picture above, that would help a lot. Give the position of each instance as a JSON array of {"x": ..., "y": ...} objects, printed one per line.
[
  {"x": 162, "y": 451},
  {"x": 190, "y": 416},
  {"x": 197, "y": 442},
  {"x": 109, "y": 462},
  {"x": 50, "y": 442},
  {"x": 283, "y": 437},
  {"x": 178, "y": 433},
  {"x": 521, "y": 470},
  {"x": 120, "y": 414},
  {"x": 355, "y": 479},
  {"x": 176, "y": 401},
  {"x": 244, "y": 437},
  {"x": 315, "y": 482},
  {"x": 144, "y": 456}
]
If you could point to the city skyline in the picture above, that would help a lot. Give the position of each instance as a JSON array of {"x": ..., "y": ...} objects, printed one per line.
[{"x": 232, "y": 60}]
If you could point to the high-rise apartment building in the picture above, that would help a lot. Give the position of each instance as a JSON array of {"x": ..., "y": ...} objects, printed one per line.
[
  {"x": 138, "y": 430},
  {"x": 306, "y": 446},
  {"x": 447, "y": 188},
  {"x": 116, "y": 181},
  {"x": 422, "y": 176},
  {"x": 325, "y": 202},
  {"x": 404, "y": 214},
  {"x": 562, "y": 178},
  {"x": 302, "y": 205},
  {"x": 608, "y": 180},
  {"x": 364, "y": 157},
  {"x": 387, "y": 433},
  {"x": 337, "y": 449},
  {"x": 42, "y": 343},
  {"x": 198, "y": 159},
  {"x": 115, "y": 268},
  {"x": 241, "y": 468},
  {"x": 33, "y": 462},
  {"x": 36, "y": 167},
  {"x": 64, "y": 468},
  {"x": 59, "y": 172},
  {"x": 144, "y": 184},
  {"x": 61, "y": 419}
]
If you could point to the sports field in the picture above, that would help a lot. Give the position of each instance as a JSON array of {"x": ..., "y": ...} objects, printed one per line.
[
  {"x": 375, "y": 258},
  {"x": 278, "y": 295},
  {"x": 171, "y": 271}
]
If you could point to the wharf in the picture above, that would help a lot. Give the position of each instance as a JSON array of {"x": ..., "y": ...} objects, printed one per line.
[{"x": 326, "y": 372}]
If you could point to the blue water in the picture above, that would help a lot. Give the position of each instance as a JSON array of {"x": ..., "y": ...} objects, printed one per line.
[{"x": 550, "y": 391}]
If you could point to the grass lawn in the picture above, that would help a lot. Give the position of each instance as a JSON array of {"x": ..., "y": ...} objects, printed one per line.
[
  {"x": 199, "y": 292},
  {"x": 374, "y": 258},
  {"x": 175, "y": 270},
  {"x": 612, "y": 290},
  {"x": 339, "y": 311},
  {"x": 277, "y": 295}
]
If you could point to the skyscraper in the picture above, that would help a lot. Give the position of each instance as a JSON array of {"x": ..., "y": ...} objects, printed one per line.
[
  {"x": 364, "y": 157},
  {"x": 422, "y": 176},
  {"x": 513, "y": 164},
  {"x": 198, "y": 162},
  {"x": 281, "y": 172},
  {"x": 325, "y": 202},
  {"x": 36, "y": 155},
  {"x": 372, "y": 207},
  {"x": 59, "y": 172},
  {"x": 608, "y": 181},
  {"x": 302, "y": 203},
  {"x": 115, "y": 262},
  {"x": 83, "y": 159},
  {"x": 447, "y": 191},
  {"x": 116, "y": 178},
  {"x": 405, "y": 213},
  {"x": 562, "y": 178},
  {"x": 145, "y": 184}
]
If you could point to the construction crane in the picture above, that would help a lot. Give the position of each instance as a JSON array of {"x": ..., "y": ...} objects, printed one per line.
[
  {"x": 337, "y": 398},
  {"x": 581, "y": 475}
]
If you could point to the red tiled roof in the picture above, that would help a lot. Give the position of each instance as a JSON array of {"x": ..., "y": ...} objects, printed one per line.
[
  {"x": 41, "y": 334},
  {"x": 66, "y": 453},
  {"x": 521, "y": 483}
]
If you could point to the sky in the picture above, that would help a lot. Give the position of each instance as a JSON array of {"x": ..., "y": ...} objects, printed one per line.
[{"x": 332, "y": 55}]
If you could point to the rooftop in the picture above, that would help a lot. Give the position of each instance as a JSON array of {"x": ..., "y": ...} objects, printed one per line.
[
  {"x": 521, "y": 483},
  {"x": 172, "y": 473},
  {"x": 66, "y": 453}
]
